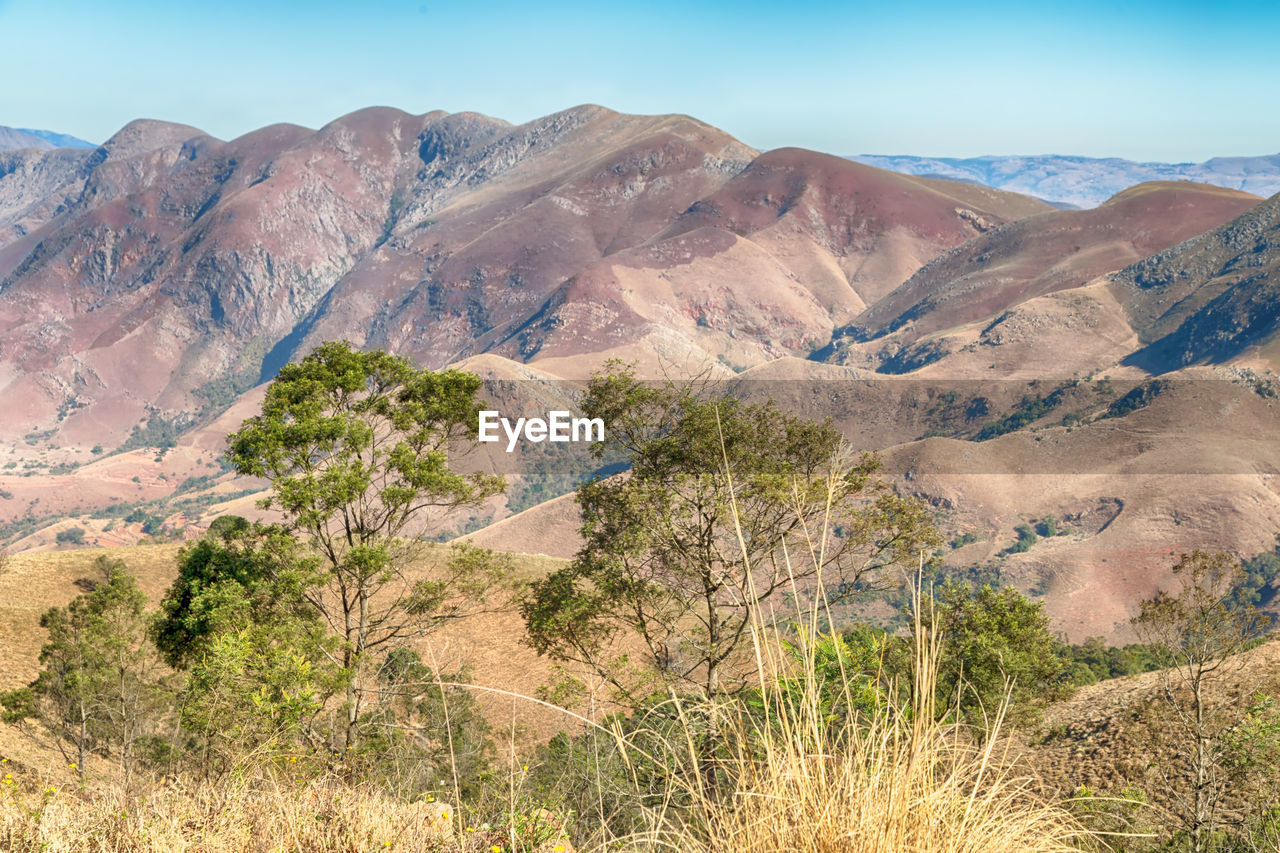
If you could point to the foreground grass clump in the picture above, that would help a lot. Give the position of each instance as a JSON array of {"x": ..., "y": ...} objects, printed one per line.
[
  {"x": 895, "y": 779},
  {"x": 212, "y": 819}
]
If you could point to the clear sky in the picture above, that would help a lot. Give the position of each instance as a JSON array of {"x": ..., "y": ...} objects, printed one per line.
[{"x": 1153, "y": 81}]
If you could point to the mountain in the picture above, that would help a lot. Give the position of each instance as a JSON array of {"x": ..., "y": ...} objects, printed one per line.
[
  {"x": 165, "y": 272},
  {"x": 1048, "y": 253},
  {"x": 1086, "y": 181},
  {"x": 1211, "y": 298},
  {"x": 23, "y": 137},
  {"x": 764, "y": 267}
]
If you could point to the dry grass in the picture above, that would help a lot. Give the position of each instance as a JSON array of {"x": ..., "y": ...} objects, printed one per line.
[
  {"x": 214, "y": 819},
  {"x": 895, "y": 780}
]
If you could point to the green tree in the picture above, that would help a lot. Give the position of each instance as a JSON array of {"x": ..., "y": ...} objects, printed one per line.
[
  {"x": 1199, "y": 631},
  {"x": 224, "y": 525},
  {"x": 1027, "y": 537},
  {"x": 248, "y": 575},
  {"x": 358, "y": 447},
  {"x": 98, "y": 688},
  {"x": 726, "y": 507},
  {"x": 1094, "y": 660},
  {"x": 258, "y": 659},
  {"x": 994, "y": 642}
]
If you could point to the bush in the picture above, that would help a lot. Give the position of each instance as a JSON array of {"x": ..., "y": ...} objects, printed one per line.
[
  {"x": 1138, "y": 398},
  {"x": 1027, "y": 537},
  {"x": 862, "y": 783},
  {"x": 70, "y": 536},
  {"x": 1094, "y": 660},
  {"x": 990, "y": 638}
]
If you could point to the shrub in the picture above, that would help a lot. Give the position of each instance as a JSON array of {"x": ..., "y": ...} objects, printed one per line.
[
  {"x": 70, "y": 536},
  {"x": 996, "y": 648},
  {"x": 1027, "y": 537}
]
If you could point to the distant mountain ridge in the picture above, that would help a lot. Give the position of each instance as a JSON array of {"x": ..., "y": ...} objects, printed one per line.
[
  {"x": 1084, "y": 181},
  {"x": 12, "y": 138}
]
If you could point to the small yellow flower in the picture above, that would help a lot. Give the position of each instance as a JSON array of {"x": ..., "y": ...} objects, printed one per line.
[{"x": 496, "y": 849}]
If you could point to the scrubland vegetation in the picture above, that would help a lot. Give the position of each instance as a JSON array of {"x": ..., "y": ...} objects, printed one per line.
[{"x": 278, "y": 699}]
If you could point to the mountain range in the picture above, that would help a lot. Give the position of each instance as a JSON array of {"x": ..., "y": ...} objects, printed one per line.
[
  {"x": 25, "y": 137},
  {"x": 978, "y": 337},
  {"x": 1085, "y": 181}
]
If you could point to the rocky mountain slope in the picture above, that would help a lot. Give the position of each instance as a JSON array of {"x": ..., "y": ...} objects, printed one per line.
[
  {"x": 1048, "y": 253},
  {"x": 1209, "y": 299},
  {"x": 167, "y": 271},
  {"x": 1085, "y": 181}
]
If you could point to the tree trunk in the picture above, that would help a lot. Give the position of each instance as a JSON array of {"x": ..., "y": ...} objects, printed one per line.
[
  {"x": 350, "y": 662},
  {"x": 1202, "y": 829},
  {"x": 81, "y": 746}
]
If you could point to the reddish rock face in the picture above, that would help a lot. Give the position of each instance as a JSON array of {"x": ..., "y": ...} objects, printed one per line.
[
  {"x": 1049, "y": 253},
  {"x": 175, "y": 261},
  {"x": 167, "y": 271}
]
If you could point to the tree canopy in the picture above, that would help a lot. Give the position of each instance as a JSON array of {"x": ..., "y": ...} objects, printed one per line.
[
  {"x": 726, "y": 507},
  {"x": 360, "y": 448}
]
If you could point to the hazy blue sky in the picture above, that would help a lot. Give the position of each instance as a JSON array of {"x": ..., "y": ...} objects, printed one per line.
[{"x": 1145, "y": 80}]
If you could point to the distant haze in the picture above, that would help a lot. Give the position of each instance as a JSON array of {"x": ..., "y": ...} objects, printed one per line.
[
  {"x": 1084, "y": 181},
  {"x": 24, "y": 137}
]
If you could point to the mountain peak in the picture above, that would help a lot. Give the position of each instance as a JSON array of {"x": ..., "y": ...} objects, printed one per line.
[{"x": 145, "y": 134}]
